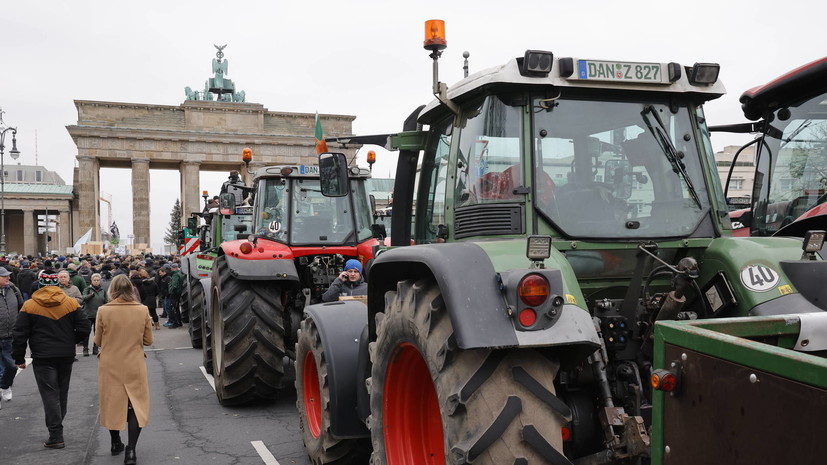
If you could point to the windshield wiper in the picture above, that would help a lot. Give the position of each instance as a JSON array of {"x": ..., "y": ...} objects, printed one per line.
[
  {"x": 804, "y": 124},
  {"x": 669, "y": 150}
]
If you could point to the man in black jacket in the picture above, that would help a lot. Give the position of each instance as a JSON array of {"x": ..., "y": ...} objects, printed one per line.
[
  {"x": 10, "y": 302},
  {"x": 25, "y": 279},
  {"x": 51, "y": 324}
]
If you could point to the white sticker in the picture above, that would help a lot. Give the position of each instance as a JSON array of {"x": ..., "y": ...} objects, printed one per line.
[{"x": 759, "y": 278}]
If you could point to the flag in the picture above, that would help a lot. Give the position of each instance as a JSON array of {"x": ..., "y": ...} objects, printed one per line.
[
  {"x": 321, "y": 145},
  {"x": 83, "y": 239},
  {"x": 114, "y": 230}
]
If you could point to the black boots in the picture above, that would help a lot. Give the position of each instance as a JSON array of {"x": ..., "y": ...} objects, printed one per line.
[
  {"x": 129, "y": 457},
  {"x": 117, "y": 446},
  {"x": 54, "y": 443}
]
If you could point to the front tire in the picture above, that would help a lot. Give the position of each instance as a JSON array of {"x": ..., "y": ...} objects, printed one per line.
[
  {"x": 196, "y": 314},
  {"x": 313, "y": 404},
  {"x": 184, "y": 302},
  {"x": 247, "y": 337},
  {"x": 206, "y": 343},
  {"x": 434, "y": 403}
]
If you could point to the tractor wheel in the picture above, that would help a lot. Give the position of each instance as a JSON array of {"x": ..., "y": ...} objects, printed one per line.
[
  {"x": 313, "y": 403},
  {"x": 196, "y": 314},
  {"x": 434, "y": 403},
  {"x": 206, "y": 343},
  {"x": 184, "y": 303},
  {"x": 247, "y": 337}
]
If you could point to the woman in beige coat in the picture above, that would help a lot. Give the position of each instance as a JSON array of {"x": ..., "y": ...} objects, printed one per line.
[{"x": 123, "y": 327}]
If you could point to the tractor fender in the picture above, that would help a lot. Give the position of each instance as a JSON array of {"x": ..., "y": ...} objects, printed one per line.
[
  {"x": 206, "y": 284},
  {"x": 262, "y": 270},
  {"x": 473, "y": 299},
  {"x": 341, "y": 327},
  {"x": 186, "y": 264}
]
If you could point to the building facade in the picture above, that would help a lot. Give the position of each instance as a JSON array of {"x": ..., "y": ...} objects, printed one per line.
[{"x": 38, "y": 210}]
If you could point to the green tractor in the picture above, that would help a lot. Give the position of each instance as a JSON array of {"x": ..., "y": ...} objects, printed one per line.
[
  {"x": 227, "y": 221},
  {"x": 563, "y": 207}
]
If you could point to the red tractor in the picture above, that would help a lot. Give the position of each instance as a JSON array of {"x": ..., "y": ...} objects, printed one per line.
[
  {"x": 790, "y": 190},
  {"x": 260, "y": 285}
]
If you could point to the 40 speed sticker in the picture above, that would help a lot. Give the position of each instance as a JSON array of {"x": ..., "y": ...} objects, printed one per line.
[{"x": 759, "y": 278}]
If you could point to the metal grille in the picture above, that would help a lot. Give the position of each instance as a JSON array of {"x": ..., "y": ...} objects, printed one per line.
[{"x": 488, "y": 220}]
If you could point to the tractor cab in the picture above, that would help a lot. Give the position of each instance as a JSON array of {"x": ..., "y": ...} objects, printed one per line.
[
  {"x": 290, "y": 208},
  {"x": 790, "y": 188}
]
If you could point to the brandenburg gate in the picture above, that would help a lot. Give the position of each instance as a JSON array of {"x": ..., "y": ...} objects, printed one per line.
[{"x": 200, "y": 134}]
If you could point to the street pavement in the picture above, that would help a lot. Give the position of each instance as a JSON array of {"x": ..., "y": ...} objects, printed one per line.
[{"x": 186, "y": 426}]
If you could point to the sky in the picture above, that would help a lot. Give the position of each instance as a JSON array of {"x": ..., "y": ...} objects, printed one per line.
[{"x": 362, "y": 58}]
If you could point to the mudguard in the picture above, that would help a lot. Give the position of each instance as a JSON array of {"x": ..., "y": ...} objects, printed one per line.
[
  {"x": 186, "y": 263},
  {"x": 205, "y": 284},
  {"x": 262, "y": 270},
  {"x": 472, "y": 296},
  {"x": 341, "y": 326}
]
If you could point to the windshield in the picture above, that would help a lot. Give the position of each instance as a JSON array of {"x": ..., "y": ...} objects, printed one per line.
[
  {"x": 618, "y": 169},
  {"x": 313, "y": 219},
  {"x": 271, "y": 221},
  {"x": 792, "y": 167}
]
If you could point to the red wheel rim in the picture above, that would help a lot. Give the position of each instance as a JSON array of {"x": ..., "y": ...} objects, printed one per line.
[
  {"x": 412, "y": 421},
  {"x": 312, "y": 395}
]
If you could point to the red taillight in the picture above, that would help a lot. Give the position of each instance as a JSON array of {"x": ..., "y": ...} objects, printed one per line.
[
  {"x": 533, "y": 290},
  {"x": 246, "y": 247},
  {"x": 566, "y": 432},
  {"x": 204, "y": 257},
  {"x": 528, "y": 317},
  {"x": 663, "y": 380},
  {"x": 225, "y": 211}
]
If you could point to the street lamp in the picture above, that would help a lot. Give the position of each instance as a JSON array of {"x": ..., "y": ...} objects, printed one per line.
[{"x": 14, "y": 154}]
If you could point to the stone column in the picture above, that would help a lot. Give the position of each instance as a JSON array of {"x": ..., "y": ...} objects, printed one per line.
[
  {"x": 64, "y": 231},
  {"x": 140, "y": 200},
  {"x": 29, "y": 233},
  {"x": 190, "y": 193},
  {"x": 88, "y": 188}
]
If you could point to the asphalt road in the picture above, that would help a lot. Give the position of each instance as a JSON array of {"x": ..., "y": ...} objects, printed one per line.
[{"x": 187, "y": 425}]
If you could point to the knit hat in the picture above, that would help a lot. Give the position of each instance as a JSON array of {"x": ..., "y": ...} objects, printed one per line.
[
  {"x": 353, "y": 265},
  {"x": 47, "y": 279}
]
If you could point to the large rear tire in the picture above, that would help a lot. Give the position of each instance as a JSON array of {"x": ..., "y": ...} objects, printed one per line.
[
  {"x": 247, "y": 337},
  {"x": 313, "y": 403},
  {"x": 433, "y": 403},
  {"x": 196, "y": 314}
]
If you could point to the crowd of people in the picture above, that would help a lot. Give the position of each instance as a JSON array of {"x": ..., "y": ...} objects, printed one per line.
[{"x": 49, "y": 306}]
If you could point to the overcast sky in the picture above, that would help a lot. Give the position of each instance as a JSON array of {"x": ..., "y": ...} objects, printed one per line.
[{"x": 361, "y": 58}]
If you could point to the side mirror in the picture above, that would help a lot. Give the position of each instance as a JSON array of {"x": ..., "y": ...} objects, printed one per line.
[
  {"x": 372, "y": 204},
  {"x": 378, "y": 231},
  {"x": 192, "y": 225},
  {"x": 333, "y": 174},
  {"x": 226, "y": 203}
]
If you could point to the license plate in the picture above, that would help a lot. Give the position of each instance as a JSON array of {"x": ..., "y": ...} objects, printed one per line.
[
  {"x": 620, "y": 71},
  {"x": 244, "y": 210},
  {"x": 305, "y": 169}
]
